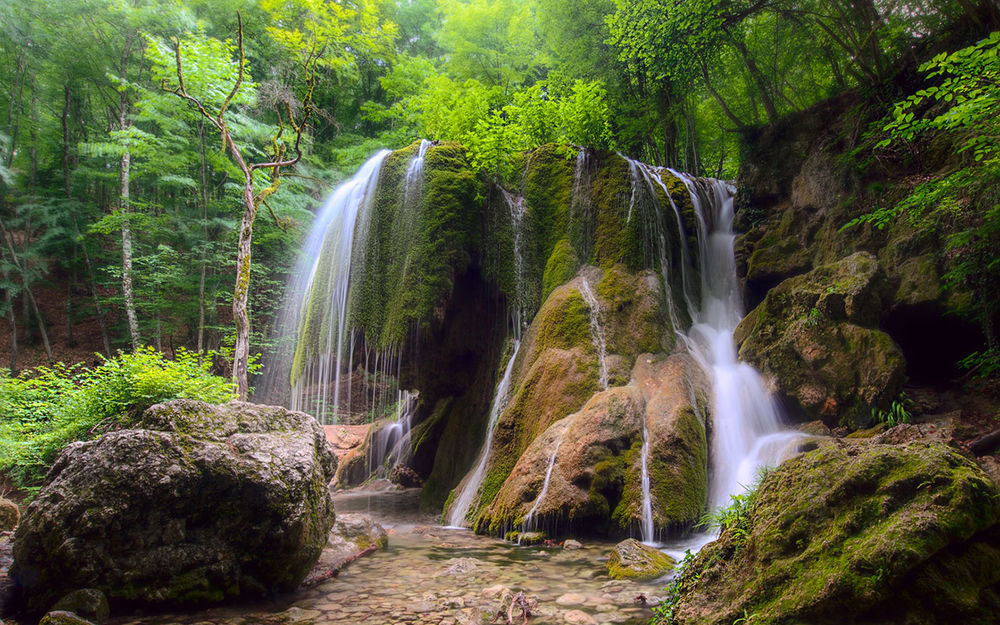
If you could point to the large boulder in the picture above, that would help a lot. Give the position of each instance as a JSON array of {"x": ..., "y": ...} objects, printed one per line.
[
  {"x": 816, "y": 336},
  {"x": 199, "y": 503},
  {"x": 593, "y": 458},
  {"x": 862, "y": 533},
  {"x": 557, "y": 372}
]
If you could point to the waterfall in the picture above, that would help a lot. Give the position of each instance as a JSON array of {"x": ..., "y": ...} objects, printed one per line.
[
  {"x": 747, "y": 433},
  {"x": 519, "y": 309},
  {"x": 747, "y": 429},
  {"x": 470, "y": 487},
  {"x": 596, "y": 330},
  {"x": 390, "y": 446},
  {"x": 527, "y": 525},
  {"x": 319, "y": 292}
]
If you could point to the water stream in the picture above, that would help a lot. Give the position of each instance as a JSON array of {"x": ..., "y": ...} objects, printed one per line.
[
  {"x": 596, "y": 330},
  {"x": 470, "y": 486}
]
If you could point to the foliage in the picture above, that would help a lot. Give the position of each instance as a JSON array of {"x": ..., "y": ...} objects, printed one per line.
[
  {"x": 684, "y": 572},
  {"x": 898, "y": 412},
  {"x": 984, "y": 364},
  {"x": 736, "y": 517},
  {"x": 43, "y": 410},
  {"x": 961, "y": 105}
]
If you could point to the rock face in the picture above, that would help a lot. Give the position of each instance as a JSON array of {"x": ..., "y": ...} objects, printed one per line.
[
  {"x": 201, "y": 503},
  {"x": 862, "y": 533},
  {"x": 595, "y": 457},
  {"x": 817, "y": 337},
  {"x": 9, "y": 515},
  {"x": 555, "y": 375},
  {"x": 631, "y": 559}
]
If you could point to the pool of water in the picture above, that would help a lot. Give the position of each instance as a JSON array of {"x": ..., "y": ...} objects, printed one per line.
[{"x": 430, "y": 574}]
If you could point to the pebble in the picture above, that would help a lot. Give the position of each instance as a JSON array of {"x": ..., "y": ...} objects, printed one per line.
[
  {"x": 572, "y": 598},
  {"x": 579, "y": 617}
]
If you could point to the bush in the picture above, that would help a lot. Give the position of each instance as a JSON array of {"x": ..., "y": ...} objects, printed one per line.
[{"x": 43, "y": 410}]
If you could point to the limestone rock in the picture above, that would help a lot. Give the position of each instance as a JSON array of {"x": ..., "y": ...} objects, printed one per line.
[
  {"x": 356, "y": 532},
  {"x": 594, "y": 484},
  {"x": 202, "y": 503},
  {"x": 572, "y": 544},
  {"x": 857, "y": 534},
  {"x": 631, "y": 559},
  {"x": 579, "y": 617},
  {"x": 815, "y": 335},
  {"x": 89, "y": 603},
  {"x": 9, "y": 515}
]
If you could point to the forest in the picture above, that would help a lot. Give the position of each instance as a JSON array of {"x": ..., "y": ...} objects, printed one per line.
[{"x": 168, "y": 167}]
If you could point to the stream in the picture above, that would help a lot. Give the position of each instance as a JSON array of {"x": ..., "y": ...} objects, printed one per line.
[{"x": 431, "y": 574}]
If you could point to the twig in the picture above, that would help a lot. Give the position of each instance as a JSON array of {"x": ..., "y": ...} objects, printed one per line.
[{"x": 337, "y": 566}]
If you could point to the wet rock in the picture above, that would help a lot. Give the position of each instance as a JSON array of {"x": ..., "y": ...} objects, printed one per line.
[
  {"x": 816, "y": 336},
  {"x": 814, "y": 428},
  {"x": 9, "y": 515},
  {"x": 631, "y": 559},
  {"x": 356, "y": 532},
  {"x": 595, "y": 479},
  {"x": 88, "y": 603},
  {"x": 571, "y": 544},
  {"x": 461, "y": 566},
  {"x": 579, "y": 617},
  {"x": 858, "y": 533},
  {"x": 404, "y": 476},
  {"x": 62, "y": 617},
  {"x": 493, "y": 592},
  {"x": 201, "y": 503},
  {"x": 571, "y": 598}
]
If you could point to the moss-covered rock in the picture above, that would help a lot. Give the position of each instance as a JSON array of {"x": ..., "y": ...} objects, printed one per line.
[
  {"x": 9, "y": 515},
  {"x": 630, "y": 559},
  {"x": 594, "y": 485},
  {"x": 858, "y": 534},
  {"x": 88, "y": 603},
  {"x": 816, "y": 336},
  {"x": 202, "y": 504}
]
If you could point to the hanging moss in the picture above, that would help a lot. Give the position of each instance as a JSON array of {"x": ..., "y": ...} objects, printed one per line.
[
  {"x": 617, "y": 237},
  {"x": 548, "y": 189},
  {"x": 416, "y": 247},
  {"x": 560, "y": 267}
]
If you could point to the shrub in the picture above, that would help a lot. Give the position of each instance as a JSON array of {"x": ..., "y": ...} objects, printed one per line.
[{"x": 43, "y": 410}]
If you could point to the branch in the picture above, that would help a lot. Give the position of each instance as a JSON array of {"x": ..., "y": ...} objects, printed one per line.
[{"x": 239, "y": 77}]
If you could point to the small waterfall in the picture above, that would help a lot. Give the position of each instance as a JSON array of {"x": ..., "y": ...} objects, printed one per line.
[
  {"x": 390, "y": 446},
  {"x": 648, "y": 532},
  {"x": 319, "y": 295},
  {"x": 747, "y": 433},
  {"x": 519, "y": 309},
  {"x": 529, "y": 523},
  {"x": 596, "y": 330},
  {"x": 470, "y": 489}
]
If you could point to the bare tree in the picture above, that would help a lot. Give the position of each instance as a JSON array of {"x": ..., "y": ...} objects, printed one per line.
[{"x": 252, "y": 198}]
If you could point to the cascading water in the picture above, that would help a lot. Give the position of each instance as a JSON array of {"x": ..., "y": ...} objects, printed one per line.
[
  {"x": 747, "y": 429},
  {"x": 528, "y": 524},
  {"x": 390, "y": 446},
  {"x": 470, "y": 489},
  {"x": 747, "y": 433},
  {"x": 325, "y": 266},
  {"x": 596, "y": 330}
]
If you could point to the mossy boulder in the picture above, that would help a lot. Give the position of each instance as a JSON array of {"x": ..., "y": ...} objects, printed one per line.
[
  {"x": 63, "y": 617},
  {"x": 816, "y": 336},
  {"x": 201, "y": 503},
  {"x": 857, "y": 533},
  {"x": 557, "y": 367},
  {"x": 88, "y": 603},
  {"x": 9, "y": 515},
  {"x": 595, "y": 485},
  {"x": 630, "y": 559}
]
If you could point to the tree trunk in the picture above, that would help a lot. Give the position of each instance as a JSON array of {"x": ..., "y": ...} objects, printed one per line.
[
  {"x": 29, "y": 296},
  {"x": 758, "y": 78},
  {"x": 204, "y": 253},
  {"x": 126, "y": 165},
  {"x": 241, "y": 350},
  {"x": 9, "y": 302}
]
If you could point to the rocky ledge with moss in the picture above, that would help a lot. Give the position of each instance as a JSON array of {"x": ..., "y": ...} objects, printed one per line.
[
  {"x": 856, "y": 533},
  {"x": 200, "y": 503}
]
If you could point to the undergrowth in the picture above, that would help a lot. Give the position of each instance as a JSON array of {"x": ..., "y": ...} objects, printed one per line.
[{"x": 44, "y": 409}]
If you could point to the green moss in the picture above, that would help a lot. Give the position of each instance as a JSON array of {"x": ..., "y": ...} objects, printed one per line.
[
  {"x": 548, "y": 188},
  {"x": 560, "y": 267},
  {"x": 631, "y": 559},
  {"x": 846, "y": 531},
  {"x": 678, "y": 473}
]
